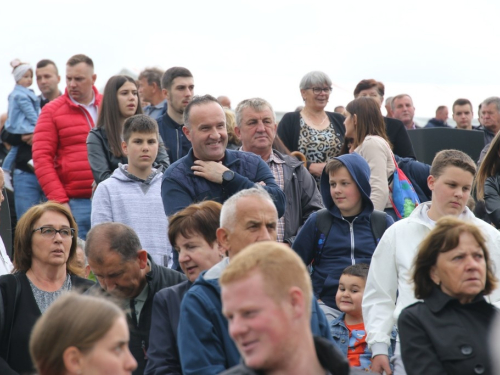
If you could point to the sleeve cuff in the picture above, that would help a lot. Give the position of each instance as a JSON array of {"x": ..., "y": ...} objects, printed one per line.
[{"x": 379, "y": 348}]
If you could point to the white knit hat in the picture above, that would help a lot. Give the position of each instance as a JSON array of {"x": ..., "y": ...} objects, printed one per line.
[{"x": 20, "y": 69}]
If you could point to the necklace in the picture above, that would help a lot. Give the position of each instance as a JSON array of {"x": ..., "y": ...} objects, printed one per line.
[{"x": 312, "y": 124}]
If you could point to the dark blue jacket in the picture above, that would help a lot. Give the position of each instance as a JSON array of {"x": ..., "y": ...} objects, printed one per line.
[
  {"x": 205, "y": 346},
  {"x": 435, "y": 123},
  {"x": 347, "y": 243},
  {"x": 175, "y": 141},
  {"x": 163, "y": 353},
  {"x": 180, "y": 187}
]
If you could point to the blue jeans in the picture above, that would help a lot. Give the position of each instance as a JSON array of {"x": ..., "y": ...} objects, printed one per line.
[
  {"x": 81, "y": 209},
  {"x": 27, "y": 191}
]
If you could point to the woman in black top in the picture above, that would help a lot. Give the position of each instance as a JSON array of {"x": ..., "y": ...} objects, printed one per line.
[
  {"x": 317, "y": 134},
  {"x": 395, "y": 129},
  {"x": 448, "y": 332},
  {"x": 45, "y": 244},
  {"x": 104, "y": 143}
]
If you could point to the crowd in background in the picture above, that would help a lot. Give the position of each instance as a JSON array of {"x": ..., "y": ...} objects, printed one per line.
[{"x": 159, "y": 232}]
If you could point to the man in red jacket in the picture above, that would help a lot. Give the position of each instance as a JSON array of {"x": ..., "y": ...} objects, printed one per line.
[{"x": 59, "y": 142}]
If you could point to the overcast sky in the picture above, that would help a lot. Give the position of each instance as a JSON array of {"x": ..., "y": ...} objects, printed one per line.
[{"x": 435, "y": 50}]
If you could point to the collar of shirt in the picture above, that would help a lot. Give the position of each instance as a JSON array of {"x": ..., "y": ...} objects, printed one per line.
[
  {"x": 91, "y": 107},
  {"x": 274, "y": 158}
]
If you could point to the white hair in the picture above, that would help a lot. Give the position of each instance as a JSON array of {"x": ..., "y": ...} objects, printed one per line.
[{"x": 228, "y": 212}]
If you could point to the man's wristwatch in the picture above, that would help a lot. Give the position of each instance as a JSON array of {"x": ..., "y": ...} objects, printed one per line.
[{"x": 227, "y": 176}]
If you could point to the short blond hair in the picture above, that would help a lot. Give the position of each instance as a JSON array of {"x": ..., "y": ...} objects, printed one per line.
[{"x": 280, "y": 267}]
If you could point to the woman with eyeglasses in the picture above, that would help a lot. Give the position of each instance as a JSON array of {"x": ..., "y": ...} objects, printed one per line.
[
  {"x": 45, "y": 244},
  {"x": 314, "y": 132}
]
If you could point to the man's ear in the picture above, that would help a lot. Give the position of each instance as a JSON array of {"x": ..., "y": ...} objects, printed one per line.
[
  {"x": 187, "y": 132},
  {"x": 166, "y": 93},
  {"x": 297, "y": 301},
  {"x": 431, "y": 180},
  {"x": 237, "y": 131},
  {"x": 223, "y": 239},
  {"x": 72, "y": 358},
  {"x": 142, "y": 258},
  {"x": 94, "y": 77},
  {"x": 124, "y": 148}
]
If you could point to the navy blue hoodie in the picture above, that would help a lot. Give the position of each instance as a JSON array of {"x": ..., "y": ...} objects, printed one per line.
[{"x": 347, "y": 243}]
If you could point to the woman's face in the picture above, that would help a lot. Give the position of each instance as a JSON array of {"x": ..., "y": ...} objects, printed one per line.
[
  {"x": 50, "y": 250},
  {"x": 371, "y": 93},
  {"x": 196, "y": 254},
  {"x": 349, "y": 123},
  {"x": 316, "y": 101},
  {"x": 461, "y": 272},
  {"x": 127, "y": 99},
  {"x": 110, "y": 355}
]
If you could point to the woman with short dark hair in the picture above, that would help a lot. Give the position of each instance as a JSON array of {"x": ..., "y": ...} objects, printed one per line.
[
  {"x": 395, "y": 129},
  {"x": 447, "y": 333},
  {"x": 192, "y": 232}
]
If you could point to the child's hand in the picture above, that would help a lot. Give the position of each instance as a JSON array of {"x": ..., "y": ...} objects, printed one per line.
[{"x": 381, "y": 363}]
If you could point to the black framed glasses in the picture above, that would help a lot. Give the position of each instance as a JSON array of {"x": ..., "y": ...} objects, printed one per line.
[
  {"x": 319, "y": 90},
  {"x": 49, "y": 232}
]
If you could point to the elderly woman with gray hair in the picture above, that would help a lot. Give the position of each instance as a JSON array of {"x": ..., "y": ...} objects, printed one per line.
[
  {"x": 314, "y": 132},
  {"x": 447, "y": 333}
]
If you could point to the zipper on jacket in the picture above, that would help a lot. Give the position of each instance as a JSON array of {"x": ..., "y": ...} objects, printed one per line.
[
  {"x": 351, "y": 230},
  {"x": 86, "y": 117},
  {"x": 143, "y": 345},
  {"x": 178, "y": 146}
]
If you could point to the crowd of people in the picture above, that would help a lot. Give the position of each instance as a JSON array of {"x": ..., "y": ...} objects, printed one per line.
[{"x": 159, "y": 232}]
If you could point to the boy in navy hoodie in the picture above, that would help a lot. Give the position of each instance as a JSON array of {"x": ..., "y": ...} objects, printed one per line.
[{"x": 350, "y": 239}]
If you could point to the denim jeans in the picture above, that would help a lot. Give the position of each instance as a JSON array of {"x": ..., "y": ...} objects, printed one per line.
[
  {"x": 81, "y": 209},
  {"x": 27, "y": 191}
]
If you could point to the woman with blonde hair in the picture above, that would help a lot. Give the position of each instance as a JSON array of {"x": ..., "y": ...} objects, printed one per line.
[{"x": 82, "y": 334}]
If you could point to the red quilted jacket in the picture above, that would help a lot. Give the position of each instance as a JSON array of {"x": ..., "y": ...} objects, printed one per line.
[{"x": 60, "y": 149}]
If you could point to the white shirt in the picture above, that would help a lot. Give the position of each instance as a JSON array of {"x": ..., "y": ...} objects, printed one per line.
[
  {"x": 5, "y": 263},
  {"x": 91, "y": 107}
]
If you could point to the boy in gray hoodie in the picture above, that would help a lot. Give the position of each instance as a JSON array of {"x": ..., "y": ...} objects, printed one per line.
[{"x": 132, "y": 195}]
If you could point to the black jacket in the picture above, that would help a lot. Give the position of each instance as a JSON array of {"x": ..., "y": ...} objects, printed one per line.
[
  {"x": 289, "y": 128},
  {"x": 163, "y": 352},
  {"x": 103, "y": 162},
  {"x": 328, "y": 355},
  {"x": 26, "y": 315},
  {"x": 158, "y": 277},
  {"x": 176, "y": 142},
  {"x": 302, "y": 195},
  {"x": 492, "y": 199},
  {"x": 400, "y": 140},
  {"x": 442, "y": 336}
]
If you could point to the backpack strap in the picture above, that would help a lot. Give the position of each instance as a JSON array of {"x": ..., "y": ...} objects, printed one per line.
[
  {"x": 378, "y": 221},
  {"x": 324, "y": 222}
]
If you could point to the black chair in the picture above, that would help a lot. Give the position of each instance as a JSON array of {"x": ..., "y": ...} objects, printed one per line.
[{"x": 429, "y": 141}]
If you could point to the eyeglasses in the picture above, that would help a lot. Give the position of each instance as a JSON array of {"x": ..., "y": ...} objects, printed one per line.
[
  {"x": 318, "y": 90},
  {"x": 49, "y": 232}
]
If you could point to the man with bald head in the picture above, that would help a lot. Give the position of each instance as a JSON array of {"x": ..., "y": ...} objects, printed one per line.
[
  {"x": 205, "y": 346},
  {"x": 126, "y": 271},
  {"x": 224, "y": 101}
]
